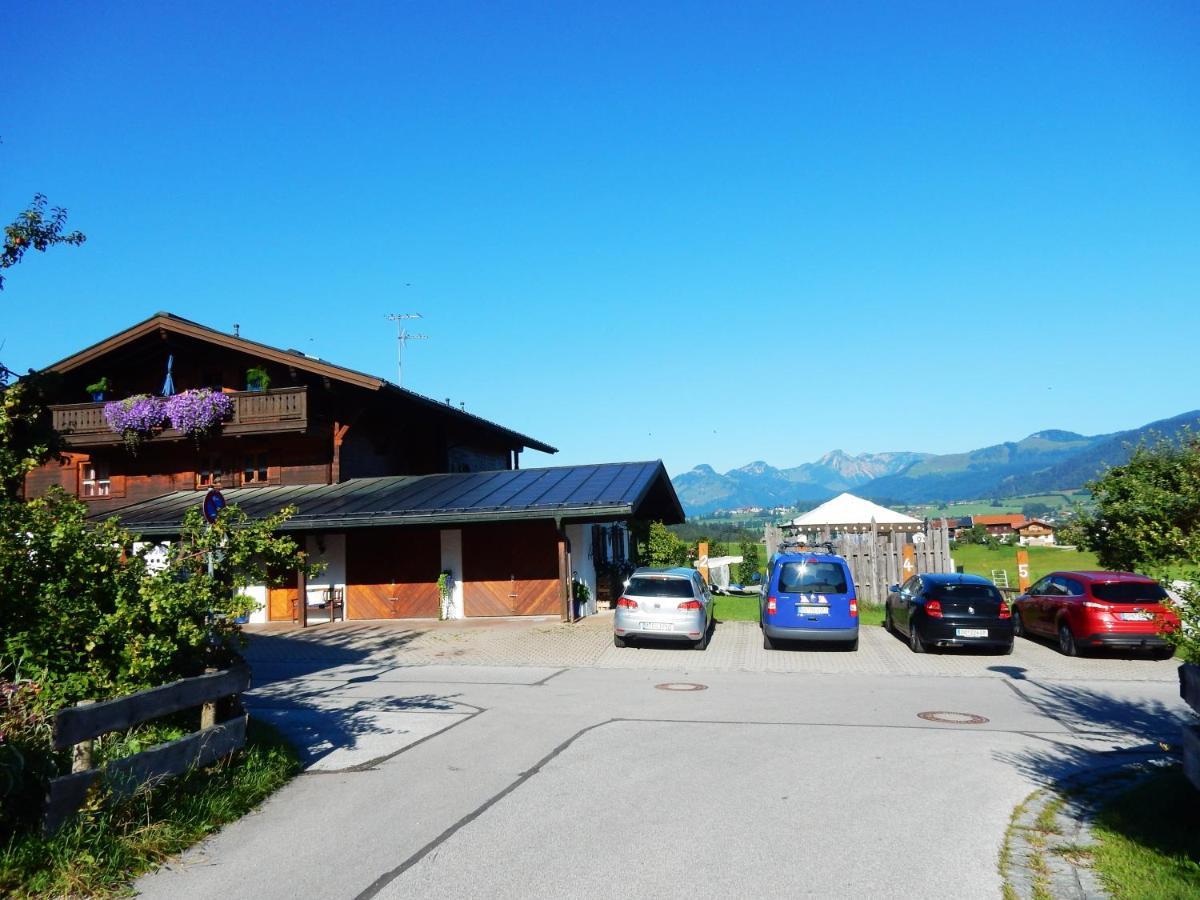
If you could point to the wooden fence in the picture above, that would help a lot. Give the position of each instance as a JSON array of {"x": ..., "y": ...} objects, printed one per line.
[
  {"x": 77, "y": 726},
  {"x": 878, "y": 561}
]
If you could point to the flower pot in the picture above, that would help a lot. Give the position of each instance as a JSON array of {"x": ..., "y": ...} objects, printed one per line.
[
  {"x": 1189, "y": 685},
  {"x": 97, "y": 396}
]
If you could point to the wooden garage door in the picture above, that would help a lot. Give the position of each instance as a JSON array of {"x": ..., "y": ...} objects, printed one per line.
[
  {"x": 511, "y": 569},
  {"x": 391, "y": 573}
]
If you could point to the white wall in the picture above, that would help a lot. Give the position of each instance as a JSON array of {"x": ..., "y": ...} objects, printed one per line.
[
  {"x": 452, "y": 562},
  {"x": 582, "y": 564},
  {"x": 334, "y": 557}
]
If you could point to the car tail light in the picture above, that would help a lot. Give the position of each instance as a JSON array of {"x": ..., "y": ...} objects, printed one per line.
[
  {"x": 626, "y": 603},
  {"x": 770, "y": 606},
  {"x": 690, "y": 604},
  {"x": 854, "y": 607},
  {"x": 1091, "y": 604},
  {"x": 933, "y": 609},
  {"x": 1005, "y": 610}
]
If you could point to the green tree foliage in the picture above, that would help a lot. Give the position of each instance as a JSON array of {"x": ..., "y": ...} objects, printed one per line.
[
  {"x": 1147, "y": 518},
  {"x": 35, "y": 229},
  {"x": 748, "y": 567},
  {"x": 26, "y": 436},
  {"x": 662, "y": 548},
  {"x": 1036, "y": 510}
]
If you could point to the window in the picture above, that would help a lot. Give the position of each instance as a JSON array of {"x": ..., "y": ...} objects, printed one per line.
[
  {"x": 254, "y": 468},
  {"x": 1129, "y": 592},
  {"x": 210, "y": 472},
  {"x": 966, "y": 592},
  {"x": 812, "y": 578},
  {"x": 94, "y": 479},
  {"x": 668, "y": 586}
]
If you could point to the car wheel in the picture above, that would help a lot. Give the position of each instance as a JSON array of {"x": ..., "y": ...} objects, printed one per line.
[
  {"x": 768, "y": 644},
  {"x": 703, "y": 642},
  {"x": 1018, "y": 625},
  {"x": 1066, "y": 640},
  {"x": 619, "y": 641},
  {"x": 914, "y": 638},
  {"x": 1162, "y": 653},
  {"x": 887, "y": 620},
  {"x": 852, "y": 646},
  {"x": 1008, "y": 649}
]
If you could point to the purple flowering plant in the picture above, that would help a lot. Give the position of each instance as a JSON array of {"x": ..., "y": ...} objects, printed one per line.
[
  {"x": 197, "y": 412},
  {"x": 135, "y": 418}
]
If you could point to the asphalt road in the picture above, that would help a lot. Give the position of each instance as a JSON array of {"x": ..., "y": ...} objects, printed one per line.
[{"x": 492, "y": 781}]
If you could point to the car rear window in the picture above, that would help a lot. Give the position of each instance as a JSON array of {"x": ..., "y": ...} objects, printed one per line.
[
  {"x": 659, "y": 586},
  {"x": 1129, "y": 592},
  {"x": 812, "y": 578},
  {"x": 962, "y": 592}
]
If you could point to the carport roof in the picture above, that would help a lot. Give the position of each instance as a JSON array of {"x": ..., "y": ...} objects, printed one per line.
[{"x": 606, "y": 491}]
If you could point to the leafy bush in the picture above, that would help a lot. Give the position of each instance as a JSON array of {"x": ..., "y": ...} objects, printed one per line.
[
  {"x": 26, "y": 760},
  {"x": 748, "y": 567},
  {"x": 662, "y": 548}
]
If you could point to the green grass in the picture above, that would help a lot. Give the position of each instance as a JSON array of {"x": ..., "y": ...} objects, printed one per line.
[
  {"x": 870, "y": 614},
  {"x": 978, "y": 559},
  {"x": 108, "y": 846},
  {"x": 1149, "y": 840},
  {"x": 1057, "y": 500},
  {"x": 735, "y": 608}
]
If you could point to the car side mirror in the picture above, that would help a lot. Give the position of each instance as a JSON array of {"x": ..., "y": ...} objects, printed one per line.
[{"x": 894, "y": 589}]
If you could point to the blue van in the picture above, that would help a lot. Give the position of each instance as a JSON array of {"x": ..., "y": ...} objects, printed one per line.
[{"x": 809, "y": 597}]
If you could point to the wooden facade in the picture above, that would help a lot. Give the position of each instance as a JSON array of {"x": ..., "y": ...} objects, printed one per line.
[
  {"x": 391, "y": 573},
  {"x": 512, "y": 571}
]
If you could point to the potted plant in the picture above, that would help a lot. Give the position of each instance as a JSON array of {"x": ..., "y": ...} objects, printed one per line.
[
  {"x": 198, "y": 412},
  {"x": 257, "y": 379},
  {"x": 445, "y": 586},
  {"x": 582, "y": 595},
  {"x": 135, "y": 418},
  {"x": 98, "y": 388}
]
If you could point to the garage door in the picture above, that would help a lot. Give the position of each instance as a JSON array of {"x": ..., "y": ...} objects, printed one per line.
[
  {"x": 391, "y": 573},
  {"x": 511, "y": 570}
]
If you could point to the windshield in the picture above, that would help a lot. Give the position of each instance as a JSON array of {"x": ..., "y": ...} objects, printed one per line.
[
  {"x": 659, "y": 586},
  {"x": 812, "y": 578},
  {"x": 1130, "y": 592},
  {"x": 962, "y": 592}
]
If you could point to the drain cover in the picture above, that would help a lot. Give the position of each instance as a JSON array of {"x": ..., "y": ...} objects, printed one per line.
[
  {"x": 681, "y": 686},
  {"x": 952, "y": 718}
]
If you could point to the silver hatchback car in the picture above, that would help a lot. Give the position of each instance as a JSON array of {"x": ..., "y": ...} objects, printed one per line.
[{"x": 674, "y": 604}]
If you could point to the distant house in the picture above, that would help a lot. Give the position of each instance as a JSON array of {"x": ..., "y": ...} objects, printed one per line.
[
  {"x": 1001, "y": 526},
  {"x": 1035, "y": 532},
  {"x": 954, "y": 524}
]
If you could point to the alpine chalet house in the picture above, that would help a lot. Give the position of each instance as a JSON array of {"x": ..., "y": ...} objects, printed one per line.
[{"x": 393, "y": 488}]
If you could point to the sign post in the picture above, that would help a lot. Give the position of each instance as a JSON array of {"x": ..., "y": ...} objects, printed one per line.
[
  {"x": 1023, "y": 570},
  {"x": 702, "y": 560},
  {"x": 908, "y": 567}
]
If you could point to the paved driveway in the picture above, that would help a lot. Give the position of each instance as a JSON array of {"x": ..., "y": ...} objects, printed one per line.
[{"x": 534, "y": 759}]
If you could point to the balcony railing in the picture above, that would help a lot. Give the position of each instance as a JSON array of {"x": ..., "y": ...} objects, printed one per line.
[{"x": 281, "y": 409}]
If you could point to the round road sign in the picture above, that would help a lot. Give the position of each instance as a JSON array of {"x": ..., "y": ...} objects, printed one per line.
[{"x": 214, "y": 502}]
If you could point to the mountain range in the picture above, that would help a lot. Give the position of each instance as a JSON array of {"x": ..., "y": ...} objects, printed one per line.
[{"x": 1044, "y": 461}]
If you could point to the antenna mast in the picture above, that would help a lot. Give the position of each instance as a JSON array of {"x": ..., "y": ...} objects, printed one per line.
[{"x": 402, "y": 338}]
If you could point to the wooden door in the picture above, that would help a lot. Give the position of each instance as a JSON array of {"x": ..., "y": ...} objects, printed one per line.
[
  {"x": 391, "y": 573},
  {"x": 281, "y": 600},
  {"x": 511, "y": 569}
]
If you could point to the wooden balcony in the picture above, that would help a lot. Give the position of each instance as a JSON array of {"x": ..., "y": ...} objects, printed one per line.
[{"x": 254, "y": 412}]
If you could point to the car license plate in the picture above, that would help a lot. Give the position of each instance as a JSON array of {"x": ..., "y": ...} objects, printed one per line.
[
  {"x": 805, "y": 609},
  {"x": 970, "y": 632},
  {"x": 657, "y": 626},
  {"x": 1135, "y": 617}
]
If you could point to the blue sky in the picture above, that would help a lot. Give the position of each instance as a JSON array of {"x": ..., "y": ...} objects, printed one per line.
[{"x": 705, "y": 233}]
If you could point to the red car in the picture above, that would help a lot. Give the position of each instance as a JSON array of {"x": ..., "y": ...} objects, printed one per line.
[{"x": 1083, "y": 610}]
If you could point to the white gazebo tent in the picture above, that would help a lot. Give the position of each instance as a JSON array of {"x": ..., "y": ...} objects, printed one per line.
[{"x": 847, "y": 513}]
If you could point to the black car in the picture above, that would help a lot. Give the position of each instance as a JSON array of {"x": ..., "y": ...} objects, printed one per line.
[{"x": 949, "y": 611}]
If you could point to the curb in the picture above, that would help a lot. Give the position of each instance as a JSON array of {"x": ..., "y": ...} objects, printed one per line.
[{"x": 1047, "y": 849}]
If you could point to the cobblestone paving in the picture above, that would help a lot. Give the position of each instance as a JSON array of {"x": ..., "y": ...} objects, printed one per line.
[{"x": 735, "y": 646}]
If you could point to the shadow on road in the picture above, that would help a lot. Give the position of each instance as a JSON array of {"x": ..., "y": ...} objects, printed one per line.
[{"x": 274, "y": 656}]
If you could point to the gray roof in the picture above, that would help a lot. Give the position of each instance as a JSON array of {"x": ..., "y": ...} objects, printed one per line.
[{"x": 583, "y": 493}]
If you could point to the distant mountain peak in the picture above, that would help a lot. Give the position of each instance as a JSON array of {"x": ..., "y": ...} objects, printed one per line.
[{"x": 1058, "y": 435}]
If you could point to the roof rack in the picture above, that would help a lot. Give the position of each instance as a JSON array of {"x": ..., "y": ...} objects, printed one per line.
[{"x": 796, "y": 546}]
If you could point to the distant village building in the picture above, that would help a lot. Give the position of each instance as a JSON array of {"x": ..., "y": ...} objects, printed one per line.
[
  {"x": 1003, "y": 527},
  {"x": 1035, "y": 532}
]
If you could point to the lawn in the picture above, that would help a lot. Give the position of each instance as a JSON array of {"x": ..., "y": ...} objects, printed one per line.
[
  {"x": 745, "y": 609},
  {"x": 978, "y": 559},
  {"x": 1149, "y": 840}
]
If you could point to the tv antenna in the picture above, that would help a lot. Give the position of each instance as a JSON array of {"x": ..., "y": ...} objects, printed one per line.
[{"x": 402, "y": 338}]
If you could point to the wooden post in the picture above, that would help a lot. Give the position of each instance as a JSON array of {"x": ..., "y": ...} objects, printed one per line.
[
  {"x": 564, "y": 577},
  {"x": 877, "y": 594},
  {"x": 208, "y": 712},
  {"x": 335, "y": 468},
  {"x": 702, "y": 558},
  {"x": 1023, "y": 570},
  {"x": 301, "y": 597},
  {"x": 81, "y": 753},
  {"x": 909, "y": 567}
]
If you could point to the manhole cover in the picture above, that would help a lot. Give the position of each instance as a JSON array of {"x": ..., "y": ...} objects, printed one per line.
[
  {"x": 952, "y": 718},
  {"x": 681, "y": 686}
]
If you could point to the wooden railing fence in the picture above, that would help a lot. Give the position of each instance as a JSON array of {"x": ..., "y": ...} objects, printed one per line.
[{"x": 77, "y": 727}]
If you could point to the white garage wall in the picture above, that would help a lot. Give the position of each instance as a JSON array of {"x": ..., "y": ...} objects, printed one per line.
[{"x": 583, "y": 566}]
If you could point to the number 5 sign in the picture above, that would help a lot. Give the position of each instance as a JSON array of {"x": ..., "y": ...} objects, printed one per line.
[{"x": 1023, "y": 570}]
